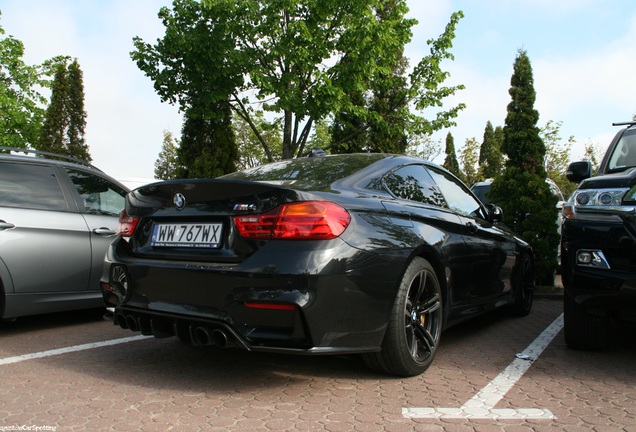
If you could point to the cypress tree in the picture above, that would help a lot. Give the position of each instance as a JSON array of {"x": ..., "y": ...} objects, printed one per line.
[
  {"x": 76, "y": 143},
  {"x": 53, "y": 132},
  {"x": 64, "y": 124},
  {"x": 522, "y": 192},
  {"x": 490, "y": 159},
  {"x": 450, "y": 162},
  {"x": 208, "y": 146}
]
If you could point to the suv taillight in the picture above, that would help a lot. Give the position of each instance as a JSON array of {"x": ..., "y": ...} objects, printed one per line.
[
  {"x": 127, "y": 224},
  {"x": 307, "y": 220}
]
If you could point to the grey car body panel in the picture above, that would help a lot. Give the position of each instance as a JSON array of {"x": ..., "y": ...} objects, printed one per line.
[{"x": 51, "y": 259}]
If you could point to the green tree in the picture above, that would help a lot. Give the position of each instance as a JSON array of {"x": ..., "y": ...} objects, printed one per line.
[
  {"x": 557, "y": 156},
  {"x": 301, "y": 60},
  {"x": 594, "y": 153},
  {"x": 490, "y": 158},
  {"x": 469, "y": 160},
  {"x": 166, "y": 165},
  {"x": 522, "y": 192},
  {"x": 191, "y": 66},
  {"x": 208, "y": 145},
  {"x": 423, "y": 146},
  {"x": 76, "y": 145},
  {"x": 382, "y": 124},
  {"x": 65, "y": 120},
  {"x": 450, "y": 162},
  {"x": 21, "y": 103},
  {"x": 251, "y": 152}
]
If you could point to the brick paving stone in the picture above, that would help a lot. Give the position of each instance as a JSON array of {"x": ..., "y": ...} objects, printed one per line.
[{"x": 162, "y": 385}]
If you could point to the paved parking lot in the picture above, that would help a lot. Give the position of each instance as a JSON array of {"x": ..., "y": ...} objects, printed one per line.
[{"x": 75, "y": 372}]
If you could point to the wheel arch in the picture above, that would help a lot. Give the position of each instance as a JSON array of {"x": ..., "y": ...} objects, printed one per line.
[{"x": 431, "y": 255}]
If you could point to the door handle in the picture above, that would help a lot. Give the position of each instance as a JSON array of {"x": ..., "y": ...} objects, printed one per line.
[
  {"x": 104, "y": 232},
  {"x": 472, "y": 228},
  {"x": 6, "y": 225}
]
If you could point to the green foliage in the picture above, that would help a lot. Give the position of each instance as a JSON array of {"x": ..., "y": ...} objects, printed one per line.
[
  {"x": 251, "y": 152},
  {"x": 469, "y": 158},
  {"x": 490, "y": 157},
  {"x": 21, "y": 104},
  {"x": 557, "y": 156},
  {"x": 208, "y": 146},
  {"x": 192, "y": 66},
  {"x": 65, "y": 120},
  {"x": 166, "y": 165},
  {"x": 424, "y": 147},
  {"x": 522, "y": 192},
  {"x": 450, "y": 162},
  {"x": 302, "y": 61}
]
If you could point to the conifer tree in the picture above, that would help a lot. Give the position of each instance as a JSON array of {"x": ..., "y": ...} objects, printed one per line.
[
  {"x": 166, "y": 164},
  {"x": 56, "y": 121},
  {"x": 450, "y": 162},
  {"x": 469, "y": 159},
  {"x": 76, "y": 143},
  {"x": 522, "y": 192},
  {"x": 65, "y": 119},
  {"x": 490, "y": 159},
  {"x": 208, "y": 145}
]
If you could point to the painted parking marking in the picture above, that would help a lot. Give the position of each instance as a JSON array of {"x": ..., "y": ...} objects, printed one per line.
[
  {"x": 482, "y": 405},
  {"x": 75, "y": 348}
]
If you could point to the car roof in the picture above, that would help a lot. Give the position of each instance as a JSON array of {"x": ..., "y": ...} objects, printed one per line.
[{"x": 25, "y": 154}]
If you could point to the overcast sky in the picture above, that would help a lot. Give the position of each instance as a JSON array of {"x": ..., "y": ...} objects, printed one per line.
[{"x": 582, "y": 55}]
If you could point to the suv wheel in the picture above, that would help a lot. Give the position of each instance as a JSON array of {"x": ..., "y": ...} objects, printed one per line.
[{"x": 583, "y": 331}]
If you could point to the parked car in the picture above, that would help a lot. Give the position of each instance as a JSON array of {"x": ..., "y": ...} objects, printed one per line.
[
  {"x": 57, "y": 218},
  {"x": 342, "y": 254},
  {"x": 599, "y": 244}
]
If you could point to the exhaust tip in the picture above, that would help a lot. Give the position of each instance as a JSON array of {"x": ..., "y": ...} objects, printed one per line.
[{"x": 220, "y": 338}]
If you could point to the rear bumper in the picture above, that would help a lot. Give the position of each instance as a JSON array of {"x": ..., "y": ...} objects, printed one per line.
[{"x": 337, "y": 300}]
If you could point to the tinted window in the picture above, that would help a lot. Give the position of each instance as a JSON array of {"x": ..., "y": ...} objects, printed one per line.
[
  {"x": 30, "y": 186},
  {"x": 456, "y": 194},
  {"x": 625, "y": 152},
  {"x": 100, "y": 195},
  {"x": 481, "y": 192},
  {"x": 414, "y": 183},
  {"x": 307, "y": 173}
]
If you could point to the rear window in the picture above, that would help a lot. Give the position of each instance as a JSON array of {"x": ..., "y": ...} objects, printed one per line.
[
  {"x": 30, "y": 186},
  {"x": 306, "y": 173}
]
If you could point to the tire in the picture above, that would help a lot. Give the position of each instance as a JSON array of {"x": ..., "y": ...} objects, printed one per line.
[
  {"x": 582, "y": 330},
  {"x": 415, "y": 325},
  {"x": 524, "y": 288}
]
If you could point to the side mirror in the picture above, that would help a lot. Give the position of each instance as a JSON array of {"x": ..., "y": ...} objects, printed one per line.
[
  {"x": 579, "y": 171},
  {"x": 494, "y": 213}
]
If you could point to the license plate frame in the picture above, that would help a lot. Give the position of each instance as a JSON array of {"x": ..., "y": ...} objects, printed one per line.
[{"x": 206, "y": 235}]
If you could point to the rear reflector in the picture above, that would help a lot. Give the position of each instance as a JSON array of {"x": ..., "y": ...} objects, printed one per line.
[
  {"x": 305, "y": 220},
  {"x": 271, "y": 306}
]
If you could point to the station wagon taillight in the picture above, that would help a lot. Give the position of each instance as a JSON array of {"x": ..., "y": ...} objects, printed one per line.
[
  {"x": 127, "y": 224},
  {"x": 306, "y": 220}
]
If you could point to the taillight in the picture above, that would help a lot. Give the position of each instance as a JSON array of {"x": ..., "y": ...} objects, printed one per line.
[
  {"x": 307, "y": 220},
  {"x": 127, "y": 224}
]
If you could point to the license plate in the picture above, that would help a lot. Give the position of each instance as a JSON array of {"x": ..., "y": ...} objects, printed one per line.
[{"x": 200, "y": 235}]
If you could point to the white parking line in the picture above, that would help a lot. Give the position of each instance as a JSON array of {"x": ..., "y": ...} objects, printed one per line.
[
  {"x": 75, "y": 348},
  {"x": 482, "y": 405}
]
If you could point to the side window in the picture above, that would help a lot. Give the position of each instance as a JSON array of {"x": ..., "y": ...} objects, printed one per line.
[
  {"x": 414, "y": 183},
  {"x": 456, "y": 194},
  {"x": 100, "y": 195},
  {"x": 30, "y": 186}
]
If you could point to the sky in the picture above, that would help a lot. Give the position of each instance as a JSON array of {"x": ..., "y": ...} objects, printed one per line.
[{"x": 581, "y": 52}]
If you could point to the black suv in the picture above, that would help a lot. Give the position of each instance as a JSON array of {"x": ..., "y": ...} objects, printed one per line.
[
  {"x": 57, "y": 218},
  {"x": 598, "y": 248}
]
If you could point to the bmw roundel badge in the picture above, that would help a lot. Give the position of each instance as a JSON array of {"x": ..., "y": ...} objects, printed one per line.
[{"x": 179, "y": 201}]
